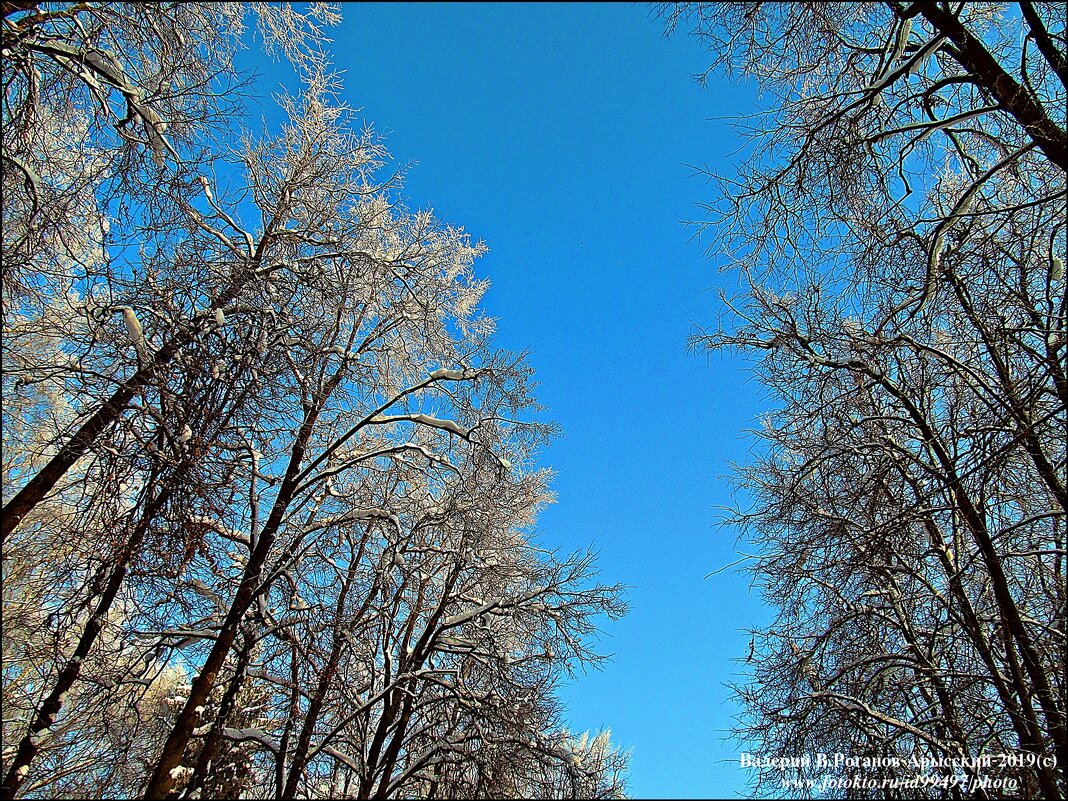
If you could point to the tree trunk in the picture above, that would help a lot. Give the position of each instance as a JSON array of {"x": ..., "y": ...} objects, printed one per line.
[{"x": 46, "y": 714}]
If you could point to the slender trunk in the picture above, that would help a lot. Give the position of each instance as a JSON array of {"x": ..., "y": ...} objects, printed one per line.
[
  {"x": 291, "y": 715},
  {"x": 389, "y": 710},
  {"x": 161, "y": 785},
  {"x": 34, "y": 491},
  {"x": 326, "y": 678},
  {"x": 396, "y": 742},
  {"x": 1017, "y": 410},
  {"x": 1045, "y": 42},
  {"x": 29, "y": 746},
  {"x": 973, "y": 519},
  {"x": 1027, "y": 728},
  {"x": 405, "y": 691},
  {"x": 1024, "y": 720},
  {"x": 210, "y": 749}
]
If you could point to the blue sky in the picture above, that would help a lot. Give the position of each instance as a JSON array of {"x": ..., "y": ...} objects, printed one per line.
[{"x": 560, "y": 134}]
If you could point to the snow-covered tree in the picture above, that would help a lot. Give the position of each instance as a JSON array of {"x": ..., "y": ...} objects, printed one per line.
[
  {"x": 900, "y": 235},
  {"x": 269, "y": 487}
]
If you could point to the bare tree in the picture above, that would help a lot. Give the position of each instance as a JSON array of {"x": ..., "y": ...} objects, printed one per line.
[
  {"x": 900, "y": 231},
  {"x": 268, "y": 485},
  {"x": 110, "y": 114}
]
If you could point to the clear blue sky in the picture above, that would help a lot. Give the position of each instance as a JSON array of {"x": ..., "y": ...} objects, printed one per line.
[{"x": 560, "y": 135}]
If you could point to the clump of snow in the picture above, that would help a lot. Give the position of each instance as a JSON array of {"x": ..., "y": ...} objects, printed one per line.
[
  {"x": 448, "y": 375},
  {"x": 133, "y": 325},
  {"x": 134, "y": 332}
]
